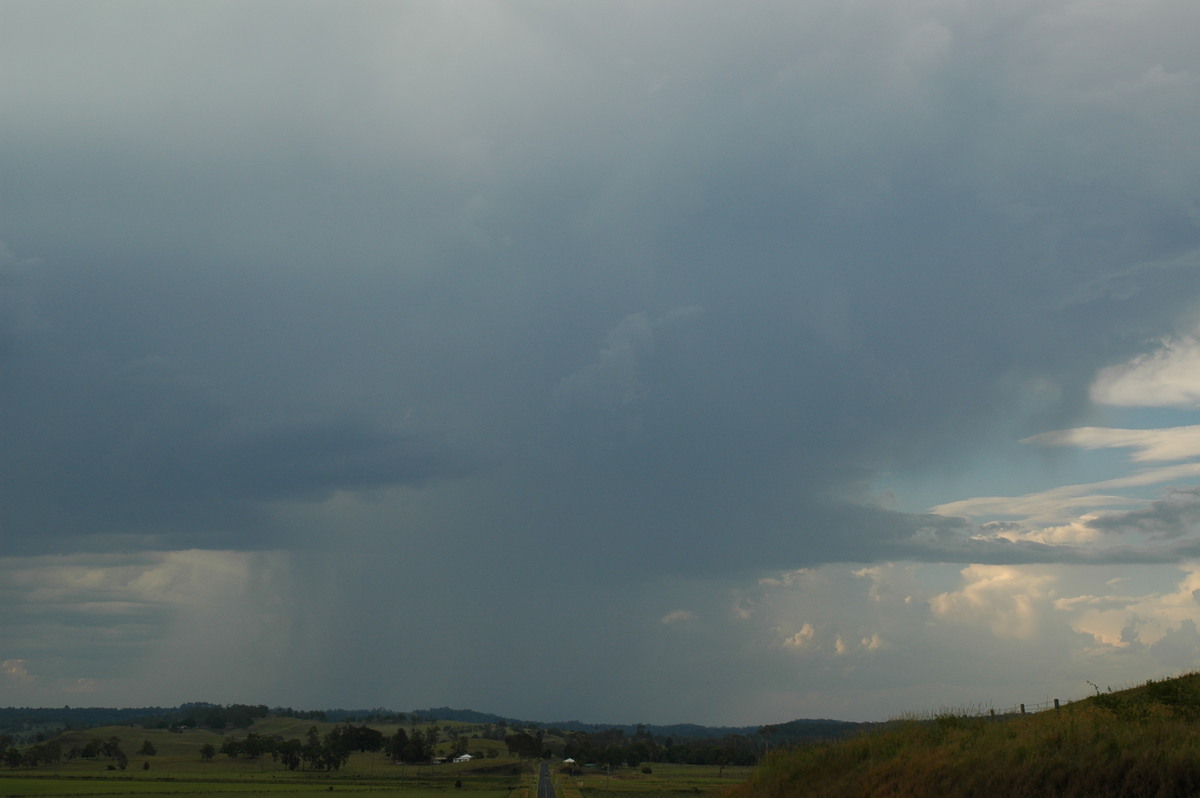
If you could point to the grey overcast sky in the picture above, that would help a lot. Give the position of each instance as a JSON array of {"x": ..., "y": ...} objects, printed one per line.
[{"x": 623, "y": 361}]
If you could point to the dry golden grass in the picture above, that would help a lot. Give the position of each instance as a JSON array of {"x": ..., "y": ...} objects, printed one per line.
[{"x": 1144, "y": 741}]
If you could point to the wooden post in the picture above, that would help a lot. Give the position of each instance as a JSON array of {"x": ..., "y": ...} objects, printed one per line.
[
  {"x": 1056, "y": 705},
  {"x": 1022, "y": 709}
]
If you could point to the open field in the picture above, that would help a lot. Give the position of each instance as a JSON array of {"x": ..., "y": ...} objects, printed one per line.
[
  {"x": 174, "y": 775},
  {"x": 413, "y": 784},
  {"x": 177, "y": 769},
  {"x": 165, "y": 787},
  {"x": 664, "y": 780}
]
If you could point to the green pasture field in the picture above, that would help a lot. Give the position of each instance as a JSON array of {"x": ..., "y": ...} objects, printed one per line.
[
  {"x": 172, "y": 776},
  {"x": 148, "y": 789},
  {"x": 177, "y": 769},
  {"x": 170, "y": 745},
  {"x": 439, "y": 781},
  {"x": 665, "y": 780},
  {"x": 15, "y": 788}
]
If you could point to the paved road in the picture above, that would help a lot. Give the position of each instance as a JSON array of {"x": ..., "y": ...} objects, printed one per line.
[{"x": 545, "y": 788}]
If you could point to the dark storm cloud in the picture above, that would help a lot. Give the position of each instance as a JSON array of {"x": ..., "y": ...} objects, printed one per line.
[
  {"x": 553, "y": 321},
  {"x": 1175, "y": 516},
  {"x": 1000, "y": 551},
  {"x": 118, "y": 449},
  {"x": 677, "y": 292}
]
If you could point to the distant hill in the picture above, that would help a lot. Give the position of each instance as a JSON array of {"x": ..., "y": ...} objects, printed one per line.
[
  {"x": 679, "y": 731},
  {"x": 30, "y": 721},
  {"x": 783, "y": 733},
  {"x": 776, "y": 734},
  {"x": 25, "y": 723}
]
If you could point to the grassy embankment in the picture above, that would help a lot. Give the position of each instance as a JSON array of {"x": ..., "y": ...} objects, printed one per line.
[{"x": 1143, "y": 741}]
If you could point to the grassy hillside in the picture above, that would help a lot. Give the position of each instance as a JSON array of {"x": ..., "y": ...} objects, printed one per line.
[
  {"x": 1144, "y": 741},
  {"x": 167, "y": 743}
]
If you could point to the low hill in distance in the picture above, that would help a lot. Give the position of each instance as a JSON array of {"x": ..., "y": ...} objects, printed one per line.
[
  {"x": 27, "y": 724},
  {"x": 783, "y": 733},
  {"x": 1141, "y": 741}
]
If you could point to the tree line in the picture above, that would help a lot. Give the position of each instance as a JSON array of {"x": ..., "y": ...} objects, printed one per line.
[
  {"x": 51, "y": 752},
  {"x": 611, "y": 748},
  {"x": 331, "y": 750}
]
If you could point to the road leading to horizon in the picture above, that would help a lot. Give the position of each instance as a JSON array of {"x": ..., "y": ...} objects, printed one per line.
[{"x": 545, "y": 788}]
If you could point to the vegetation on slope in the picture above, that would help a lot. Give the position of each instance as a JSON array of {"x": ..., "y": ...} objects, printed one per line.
[{"x": 1143, "y": 741}]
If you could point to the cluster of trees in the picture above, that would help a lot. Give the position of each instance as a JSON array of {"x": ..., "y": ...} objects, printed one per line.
[
  {"x": 212, "y": 716},
  {"x": 107, "y": 748},
  {"x": 40, "y": 754},
  {"x": 612, "y": 748},
  {"x": 329, "y": 751},
  {"x": 44, "y": 753},
  {"x": 415, "y": 747},
  {"x": 526, "y": 745},
  {"x": 316, "y": 752},
  {"x": 299, "y": 714},
  {"x": 325, "y": 752},
  {"x": 49, "y": 753}
]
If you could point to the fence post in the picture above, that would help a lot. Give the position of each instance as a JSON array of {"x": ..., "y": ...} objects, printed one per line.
[
  {"x": 1056, "y": 705},
  {"x": 1022, "y": 709}
]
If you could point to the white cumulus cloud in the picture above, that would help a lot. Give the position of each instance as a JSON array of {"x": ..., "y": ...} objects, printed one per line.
[
  {"x": 1166, "y": 377},
  {"x": 678, "y": 616}
]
